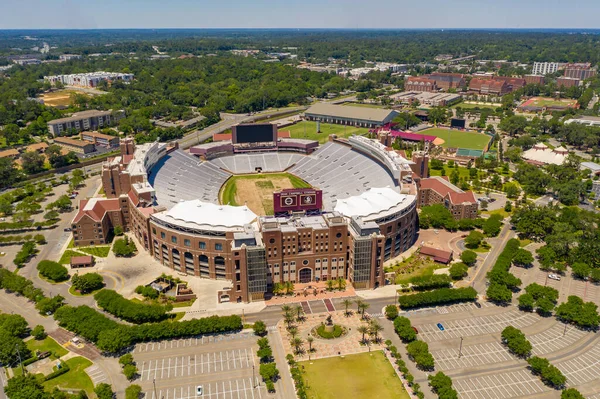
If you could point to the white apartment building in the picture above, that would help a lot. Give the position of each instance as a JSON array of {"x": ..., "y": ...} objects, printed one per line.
[
  {"x": 544, "y": 68},
  {"x": 90, "y": 79}
]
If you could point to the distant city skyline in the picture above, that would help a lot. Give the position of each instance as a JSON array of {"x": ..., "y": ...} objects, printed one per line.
[{"x": 352, "y": 14}]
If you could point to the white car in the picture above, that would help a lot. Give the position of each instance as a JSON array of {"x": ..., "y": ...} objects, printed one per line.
[
  {"x": 554, "y": 277},
  {"x": 199, "y": 390}
]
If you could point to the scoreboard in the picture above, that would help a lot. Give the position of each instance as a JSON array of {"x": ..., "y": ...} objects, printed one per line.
[{"x": 297, "y": 200}]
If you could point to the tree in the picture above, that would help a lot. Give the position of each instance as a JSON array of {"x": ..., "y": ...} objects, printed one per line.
[
  {"x": 419, "y": 352},
  {"x": 438, "y": 115},
  {"x": 391, "y": 312},
  {"x": 523, "y": 258},
  {"x": 511, "y": 190},
  {"x": 130, "y": 371},
  {"x": 25, "y": 386},
  {"x": 118, "y": 230},
  {"x": 492, "y": 225},
  {"x": 53, "y": 271},
  {"x": 454, "y": 176},
  {"x": 406, "y": 120},
  {"x": 513, "y": 125},
  {"x": 468, "y": 257},
  {"x": 126, "y": 359},
  {"x": 104, "y": 391},
  {"x": 347, "y": 303},
  {"x": 38, "y": 332},
  {"x": 14, "y": 324},
  {"x": 458, "y": 271},
  {"x": 32, "y": 162},
  {"x": 374, "y": 329},
  {"x": 436, "y": 216},
  {"x": 260, "y": 328},
  {"x": 87, "y": 283},
  {"x": 9, "y": 174},
  {"x": 310, "y": 339},
  {"x": 124, "y": 247},
  {"x": 133, "y": 392},
  {"x": 297, "y": 344},
  {"x": 571, "y": 393},
  {"x": 362, "y": 329},
  {"x": 404, "y": 329},
  {"x": 595, "y": 275},
  {"x": 581, "y": 270},
  {"x": 498, "y": 293},
  {"x": 474, "y": 239},
  {"x": 10, "y": 347},
  {"x": 526, "y": 302}
]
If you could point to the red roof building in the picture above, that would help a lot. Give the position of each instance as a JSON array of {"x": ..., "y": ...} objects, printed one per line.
[
  {"x": 438, "y": 255},
  {"x": 419, "y": 83},
  {"x": 438, "y": 190}
]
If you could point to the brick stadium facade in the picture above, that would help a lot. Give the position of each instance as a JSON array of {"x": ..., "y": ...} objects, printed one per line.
[{"x": 253, "y": 252}]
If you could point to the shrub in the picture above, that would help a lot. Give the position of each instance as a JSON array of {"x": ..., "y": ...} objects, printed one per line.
[
  {"x": 430, "y": 282},
  {"x": 62, "y": 370},
  {"x": 124, "y": 247},
  {"x": 259, "y": 327},
  {"x": 337, "y": 332},
  {"x": 146, "y": 292},
  {"x": 130, "y": 311},
  {"x": 38, "y": 332},
  {"x": 391, "y": 312},
  {"x": 404, "y": 329},
  {"x": 440, "y": 296},
  {"x": 53, "y": 271},
  {"x": 133, "y": 392},
  {"x": 26, "y": 252}
]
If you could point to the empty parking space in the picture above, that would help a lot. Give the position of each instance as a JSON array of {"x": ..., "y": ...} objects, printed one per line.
[
  {"x": 463, "y": 307},
  {"x": 555, "y": 338},
  {"x": 242, "y": 388},
  {"x": 514, "y": 384},
  {"x": 583, "y": 368},
  {"x": 306, "y": 307},
  {"x": 595, "y": 396},
  {"x": 203, "y": 363},
  {"x": 480, "y": 325},
  {"x": 586, "y": 290},
  {"x": 189, "y": 342},
  {"x": 329, "y": 305},
  {"x": 471, "y": 356},
  {"x": 96, "y": 374},
  {"x": 317, "y": 306}
]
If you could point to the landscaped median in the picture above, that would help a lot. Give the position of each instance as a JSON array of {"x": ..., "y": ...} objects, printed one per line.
[{"x": 437, "y": 297}]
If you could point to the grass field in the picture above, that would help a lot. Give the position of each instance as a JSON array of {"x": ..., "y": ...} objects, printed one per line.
[
  {"x": 65, "y": 259},
  {"x": 75, "y": 379},
  {"x": 365, "y": 376},
  {"x": 414, "y": 266},
  {"x": 548, "y": 102},
  {"x": 58, "y": 98},
  {"x": 297, "y": 131},
  {"x": 256, "y": 191},
  {"x": 459, "y": 139},
  {"x": 47, "y": 344},
  {"x": 100, "y": 251},
  {"x": 473, "y": 106}
]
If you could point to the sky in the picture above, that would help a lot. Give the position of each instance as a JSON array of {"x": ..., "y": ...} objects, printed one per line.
[{"x": 353, "y": 14}]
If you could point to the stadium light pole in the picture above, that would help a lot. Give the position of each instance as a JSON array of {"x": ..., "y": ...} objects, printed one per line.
[{"x": 460, "y": 350}]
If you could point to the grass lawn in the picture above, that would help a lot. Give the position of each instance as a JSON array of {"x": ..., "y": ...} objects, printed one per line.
[
  {"x": 297, "y": 131},
  {"x": 459, "y": 139},
  {"x": 100, "y": 251},
  {"x": 47, "y": 344},
  {"x": 75, "y": 379},
  {"x": 259, "y": 198},
  {"x": 463, "y": 172},
  {"x": 65, "y": 259},
  {"x": 474, "y": 106},
  {"x": 414, "y": 266},
  {"x": 365, "y": 376},
  {"x": 183, "y": 304},
  {"x": 524, "y": 242},
  {"x": 73, "y": 292},
  {"x": 500, "y": 212}
]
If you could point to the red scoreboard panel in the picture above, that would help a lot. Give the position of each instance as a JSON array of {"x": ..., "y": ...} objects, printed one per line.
[{"x": 297, "y": 200}]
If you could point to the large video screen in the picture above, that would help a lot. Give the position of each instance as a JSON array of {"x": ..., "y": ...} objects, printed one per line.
[
  {"x": 254, "y": 133},
  {"x": 459, "y": 123}
]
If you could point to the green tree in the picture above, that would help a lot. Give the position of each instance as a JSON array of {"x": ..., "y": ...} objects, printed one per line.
[
  {"x": 126, "y": 359},
  {"x": 404, "y": 329},
  {"x": 260, "y": 328},
  {"x": 38, "y": 332},
  {"x": 523, "y": 258},
  {"x": 133, "y": 392},
  {"x": 10, "y": 346},
  {"x": 571, "y": 393},
  {"x": 124, "y": 247},
  {"x": 458, "y": 271},
  {"x": 516, "y": 341},
  {"x": 474, "y": 239},
  {"x": 391, "y": 312},
  {"x": 526, "y": 302},
  {"x": 14, "y": 324},
  {"x": 511, "y": 190},
  {"x": 468, "y": 257},
  {"x": 581, "y": 270},
  {"x": 33, "y": 162},
  {"x": 104, "y": 391},
  {"x": 87, "y": 282},
  {"x": 53, "y": 271},
  {"x": 118, "y": 230},
  {"x": 130, "y": 371},
  {"x": 499, "y": 293},
  {"x": 25, "y": 386}
]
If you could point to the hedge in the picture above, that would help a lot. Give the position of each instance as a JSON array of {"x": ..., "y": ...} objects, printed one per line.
[
  {"x": 134, "y": 312},
  {"x": 64, "y": 368},
  {"x": 436, "y": 297},
  {"x": 422, "y": 283},
  {"x": 111, "y": 336},
  {"x": 501, "y": 281}
]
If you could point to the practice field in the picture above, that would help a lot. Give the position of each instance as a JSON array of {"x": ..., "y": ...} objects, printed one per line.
[
  {"x": 367, "y": 375},
  {"x": 256, "y": 191},
  {"x": 549, "y": 102},
  {"x": 58, "y": 98},
  {"x": 458, "y": 138},
  {"x": 298, "y": 131}
]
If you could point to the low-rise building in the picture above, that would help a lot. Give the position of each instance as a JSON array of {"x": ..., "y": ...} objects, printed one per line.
[
  {"x": 84, "y": 120},
  {"x": 69, "y": 57},
  {"x": 11, "y": 153},
  {"x": 100, "y": 139},
  {"x": 534, "y": 79},
  {"x": 427, "y": 98},
  {"x": 585, "y": 120},
  {"x": 420, "y": 84},
  {"x": 90, "y": 79},
  {"x": 349, "y": 115},
  {"x": 438, "y": 190},
  {"x": 78, "y": 146},
  {"x": 541, "y": 154},
  {"x": 96, "y": 217},
  {"x": 446, "y": 81},
  {"x": 567, "y": 82},
  {"x": 37, "y": 147}
]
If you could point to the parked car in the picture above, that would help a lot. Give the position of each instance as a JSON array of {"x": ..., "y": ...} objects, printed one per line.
[
  {"x": 478, "y": 305},
  {"x": 199, "y": 390},
  {"x": 554, "y": 277},
  {"x": 415, "y": 329},
  {"x": 68, "y": 229},
  {"x": 440, "y": 326}
]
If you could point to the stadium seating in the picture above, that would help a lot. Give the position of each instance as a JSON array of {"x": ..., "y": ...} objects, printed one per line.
[
  {"x": 248, "y": 163},
  {"x": 182, "y": 177},
  {"x": 341, "y": 172}
]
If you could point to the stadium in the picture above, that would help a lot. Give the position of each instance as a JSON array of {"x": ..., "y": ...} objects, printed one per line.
[{"x": 260, "y": 210}]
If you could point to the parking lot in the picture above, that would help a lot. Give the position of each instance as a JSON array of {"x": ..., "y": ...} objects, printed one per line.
[
  {"x": 224, "y": 365},
  {"x": 473, "y": 326},
  {"x": 583, "y": 368},
  {"x": 514, "y": 384},
  {"x": 472, "y": 356},
  {"x": 556, "y": 338}
]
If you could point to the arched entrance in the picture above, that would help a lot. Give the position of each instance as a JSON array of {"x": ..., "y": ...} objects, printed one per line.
[{"x": 305, "y": 275}]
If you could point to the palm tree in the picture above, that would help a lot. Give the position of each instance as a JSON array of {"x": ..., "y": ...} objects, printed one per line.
[
  {"x": 329, "y": 285},
  {"x": 363, "y": 306},
  {"x": 310, "y": 340},
  {"x": 341, "y": 283},
  {"x": 297, "y": 344},
  {"x": 358, "y": 303},
  {"x": 286, "y": 309},
  {"x": 299, "y": 312},
  {"x": 363, "y": 330},
  {"x": 374, "y": 330},
  {"x": 293, "y": 331},
  {"x": 347, "y": 303},
  {"x": 289, "y": 318}
]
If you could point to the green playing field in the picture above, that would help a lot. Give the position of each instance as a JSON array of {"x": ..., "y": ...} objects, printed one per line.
[{"x": 458, "y": 138}]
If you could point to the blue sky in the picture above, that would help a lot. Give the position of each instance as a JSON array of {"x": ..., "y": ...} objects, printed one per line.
[{"x": 82, "y": 14}]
